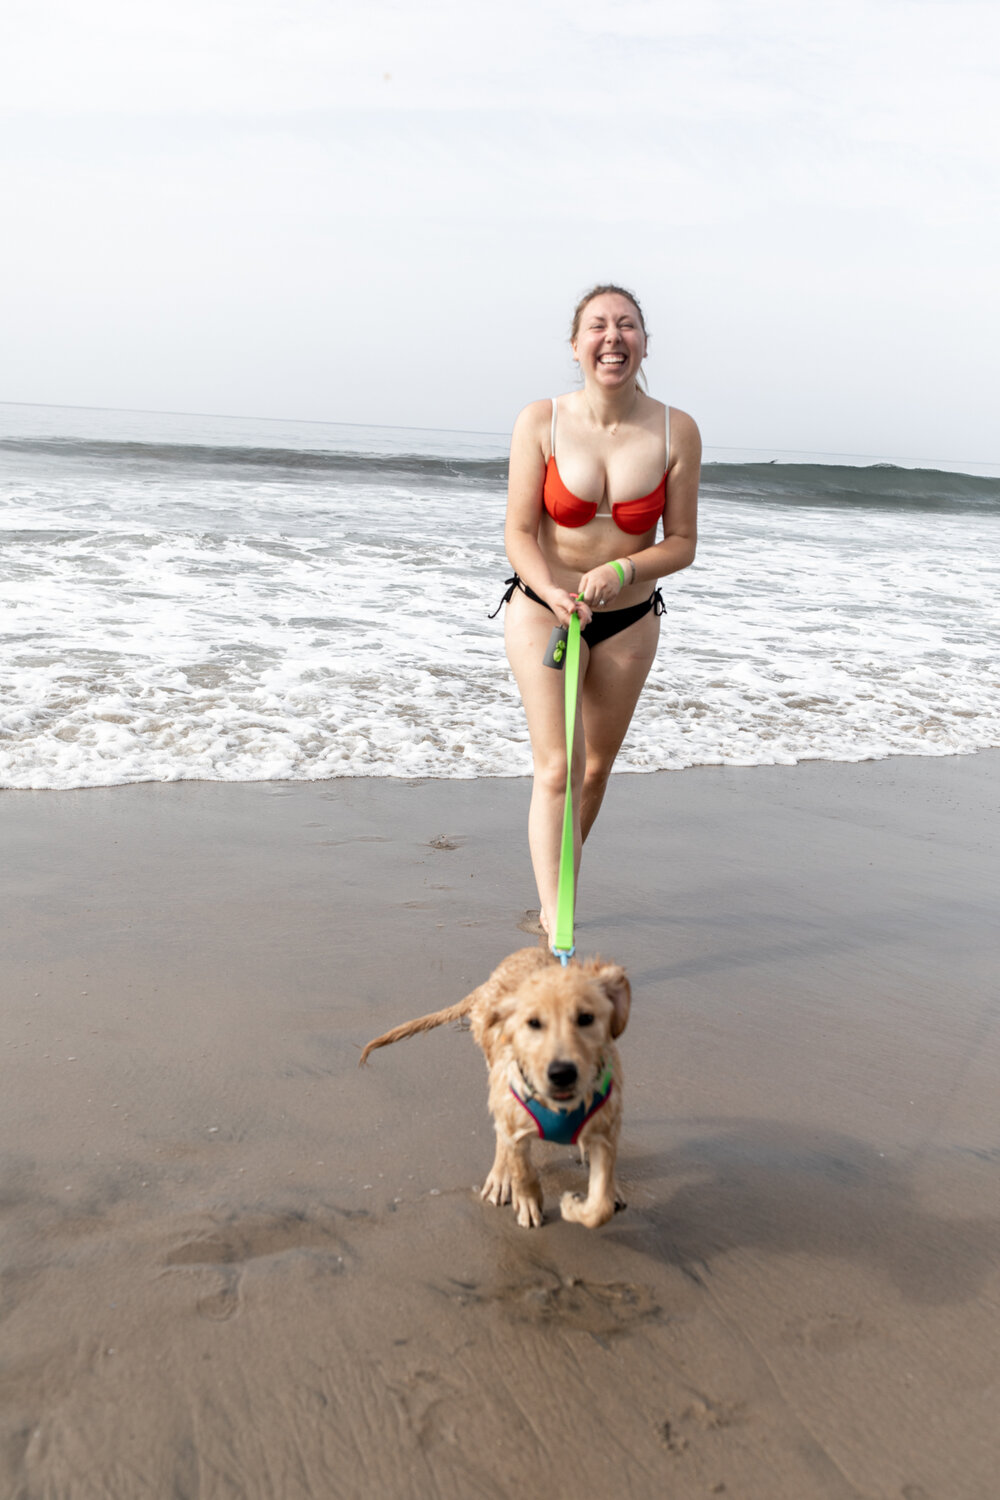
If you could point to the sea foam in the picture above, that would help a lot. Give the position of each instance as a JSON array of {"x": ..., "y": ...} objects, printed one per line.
[{"x": 203, "y": 599}]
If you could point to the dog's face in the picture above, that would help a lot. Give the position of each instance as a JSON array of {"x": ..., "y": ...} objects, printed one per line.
[{"x": 558, "y": 1023}]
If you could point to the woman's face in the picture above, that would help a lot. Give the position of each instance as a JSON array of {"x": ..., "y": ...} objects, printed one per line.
[{"x": 610, "y": 345}]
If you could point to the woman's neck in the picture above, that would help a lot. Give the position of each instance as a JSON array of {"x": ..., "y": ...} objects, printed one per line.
[{"x": 608, "y": 409}]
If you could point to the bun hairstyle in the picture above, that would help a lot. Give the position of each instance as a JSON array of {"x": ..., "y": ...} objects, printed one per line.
[{"x": 600, "y": 291}]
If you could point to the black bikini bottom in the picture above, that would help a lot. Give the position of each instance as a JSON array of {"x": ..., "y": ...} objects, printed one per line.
[{"x": 602, "y": 627}]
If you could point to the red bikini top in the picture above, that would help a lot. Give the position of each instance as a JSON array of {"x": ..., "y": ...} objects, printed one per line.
[{"x": 567, "y": 509}]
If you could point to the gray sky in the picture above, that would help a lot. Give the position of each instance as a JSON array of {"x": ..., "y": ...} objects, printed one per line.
[{"x": 384, "y": 212}]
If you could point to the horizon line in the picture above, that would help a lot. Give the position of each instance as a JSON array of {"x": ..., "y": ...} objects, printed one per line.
[{"x": 150, "y": 411}]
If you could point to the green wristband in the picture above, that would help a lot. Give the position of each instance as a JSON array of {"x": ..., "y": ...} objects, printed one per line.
[{"x": 621, "y": 573}]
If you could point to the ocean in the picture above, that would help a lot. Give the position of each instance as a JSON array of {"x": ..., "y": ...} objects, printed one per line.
[{"x": 210, "y": 598}]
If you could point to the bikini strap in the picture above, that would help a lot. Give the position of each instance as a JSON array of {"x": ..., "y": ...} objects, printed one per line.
[
  {"x": 552, "y": 439},
  {"x": 511, "y": 584},
  {"x": 657, "y": 601}
]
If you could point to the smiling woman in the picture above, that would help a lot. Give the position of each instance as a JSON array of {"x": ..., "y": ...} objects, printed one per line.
[{"x": 581, "y": 533}]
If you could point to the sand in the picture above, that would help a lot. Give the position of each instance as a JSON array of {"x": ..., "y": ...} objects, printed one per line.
[{"x": 235, "y": 1265}]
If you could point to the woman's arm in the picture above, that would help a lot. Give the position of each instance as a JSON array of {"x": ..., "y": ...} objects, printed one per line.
[{"x": 526, "y": 479}]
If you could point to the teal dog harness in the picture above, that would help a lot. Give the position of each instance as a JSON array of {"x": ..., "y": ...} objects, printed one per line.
[{"x": 563, "y": 1126}]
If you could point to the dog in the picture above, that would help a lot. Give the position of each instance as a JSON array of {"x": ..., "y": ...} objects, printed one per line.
[{"x": 547, "y": 1033}]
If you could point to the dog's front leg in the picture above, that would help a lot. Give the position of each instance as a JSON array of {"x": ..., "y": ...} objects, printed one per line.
[
  {"x": 514, "y": 1180},
  {"x": 600, "y": 1203}
]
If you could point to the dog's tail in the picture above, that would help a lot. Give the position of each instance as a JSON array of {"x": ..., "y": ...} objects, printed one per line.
[{"x": 425, "y": 1023}]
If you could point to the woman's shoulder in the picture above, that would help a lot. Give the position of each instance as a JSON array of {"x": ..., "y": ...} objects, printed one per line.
[
  {"x": 536, "y": 410},
  {"x": 685, "y": 439},
  {"x": 534, "y": 419},
  {"x": 683, "y": 417}
]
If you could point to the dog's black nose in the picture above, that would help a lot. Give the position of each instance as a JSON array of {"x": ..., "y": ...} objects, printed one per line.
[{"x": 562, "y": 1075}]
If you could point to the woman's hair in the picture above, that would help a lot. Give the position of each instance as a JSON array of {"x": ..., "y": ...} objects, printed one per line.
[{"x": 601, "y": 291}]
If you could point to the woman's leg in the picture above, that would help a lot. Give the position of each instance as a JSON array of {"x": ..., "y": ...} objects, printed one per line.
[
  {"x": 616, "y": 672},
  {"x": 527, "y": 628}
]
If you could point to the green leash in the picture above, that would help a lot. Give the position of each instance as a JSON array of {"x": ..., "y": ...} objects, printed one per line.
[{"x": 562, "y": 944}]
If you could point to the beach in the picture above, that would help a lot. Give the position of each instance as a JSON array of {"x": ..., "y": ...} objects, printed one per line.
[{"x": 236, "y": 1265}]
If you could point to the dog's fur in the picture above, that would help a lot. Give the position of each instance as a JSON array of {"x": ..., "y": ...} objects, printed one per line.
[{"x": 528, "y": 1017}]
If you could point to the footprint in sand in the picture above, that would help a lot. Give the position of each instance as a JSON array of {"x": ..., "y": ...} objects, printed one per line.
[
  {"x": 705, "y": 1414},
  {"x": 223, "y": 1300},
  {"x": 531, "y": 923}
]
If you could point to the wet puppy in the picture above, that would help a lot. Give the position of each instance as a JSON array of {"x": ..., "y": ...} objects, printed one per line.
[{"x": 547, "y": 1035}]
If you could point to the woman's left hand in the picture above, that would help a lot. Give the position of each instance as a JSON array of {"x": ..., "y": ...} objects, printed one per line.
[{"x": 600, "y": 585}]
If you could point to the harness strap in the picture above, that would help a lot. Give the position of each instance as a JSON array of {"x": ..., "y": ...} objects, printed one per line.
[{"x": 563, "y": 1126}]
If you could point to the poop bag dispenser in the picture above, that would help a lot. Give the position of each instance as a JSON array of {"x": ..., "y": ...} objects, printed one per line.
[{"x": 555, "y": 651}]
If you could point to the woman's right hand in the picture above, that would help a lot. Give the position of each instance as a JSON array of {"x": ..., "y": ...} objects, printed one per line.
[{"x": 564, "y": 605}]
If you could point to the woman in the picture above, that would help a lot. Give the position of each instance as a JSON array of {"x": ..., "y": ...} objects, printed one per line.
[{"x": 591, "y": 475}]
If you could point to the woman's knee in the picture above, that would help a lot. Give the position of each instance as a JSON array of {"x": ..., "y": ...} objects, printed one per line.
[
  {"x": 550, "y": 772},
  {"x": 596, "y": 775},
  {"x": 550, "y": 775}
]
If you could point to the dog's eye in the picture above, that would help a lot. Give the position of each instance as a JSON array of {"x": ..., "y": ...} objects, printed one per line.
[
  {"x": 534, "y": 1023},
  {"x": 585, "y": 1018}
]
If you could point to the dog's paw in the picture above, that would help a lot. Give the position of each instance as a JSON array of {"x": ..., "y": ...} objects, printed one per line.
[
  {"x": 526, "y": 1199},
  {"x": 504, "y": 1185},
  {"x": 528, "y": 1207},
  {"x": 497, "y": 1188},
  {"x": 577, "y": 1210},
  {"x": 570, "y": 1205}
]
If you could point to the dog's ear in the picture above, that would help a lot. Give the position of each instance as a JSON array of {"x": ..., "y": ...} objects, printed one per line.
[
  {"x": 488, "y": 1027},
  {"x": 614, "y": 982}
]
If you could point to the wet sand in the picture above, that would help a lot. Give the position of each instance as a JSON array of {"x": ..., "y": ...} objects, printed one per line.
[{"x": 234, "y": 1265}]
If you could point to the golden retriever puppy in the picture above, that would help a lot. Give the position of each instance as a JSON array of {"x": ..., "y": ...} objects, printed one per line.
[{"x": 547, "y": 1033}]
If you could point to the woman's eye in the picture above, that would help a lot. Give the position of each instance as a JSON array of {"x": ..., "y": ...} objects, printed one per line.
[
  {"x": 585, "y": 1018},
  {"x": 534, "y": 1023}
]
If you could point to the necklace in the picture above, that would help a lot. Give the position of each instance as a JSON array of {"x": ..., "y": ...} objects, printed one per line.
[{"x": 618, "y": 420}]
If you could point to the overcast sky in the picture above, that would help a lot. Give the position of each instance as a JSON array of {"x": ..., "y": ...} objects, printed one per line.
[{"x": 375, "y": 211}]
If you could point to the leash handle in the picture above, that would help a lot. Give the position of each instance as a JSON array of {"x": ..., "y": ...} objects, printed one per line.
[{"x": 562, "y": 943}]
